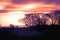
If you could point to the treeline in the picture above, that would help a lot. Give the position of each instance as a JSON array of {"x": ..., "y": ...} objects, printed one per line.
[{"x": 33, "y": 19}]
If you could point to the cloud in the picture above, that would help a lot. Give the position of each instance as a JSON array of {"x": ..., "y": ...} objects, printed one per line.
[
  {"x": 18, "y": 1},
  {"x": 3, "y": 11},
  {"x": 48, "y": 1},
  {"x": 25, "y": 1},
  {"x": 53, "y": 1}
]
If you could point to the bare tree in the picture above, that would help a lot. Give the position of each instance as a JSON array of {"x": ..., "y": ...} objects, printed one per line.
[
  {"x": 57, "y": 15},
  {"x": 31, "y": 19}
]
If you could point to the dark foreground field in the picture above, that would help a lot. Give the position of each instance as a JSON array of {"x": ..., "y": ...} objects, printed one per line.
[{"x": 35, "y": 32}]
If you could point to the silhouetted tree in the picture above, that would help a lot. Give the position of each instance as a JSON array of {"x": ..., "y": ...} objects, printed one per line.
[
  {"x": 31, "y": 19},
  {"x": 11, "y": 26},
  {"x": 57, "y": 14},
  {"x": 44, "y": 19},
  {"x": 51, "y": 19}
]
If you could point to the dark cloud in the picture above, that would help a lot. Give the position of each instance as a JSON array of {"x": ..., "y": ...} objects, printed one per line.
[
  {"x": 25, "y": 1},
  {"x": 3, "y": 11},
  {"x": 48, "y": 1},
  {"x": 18, "y": 1},
  {"x": 53, "y": 1}
]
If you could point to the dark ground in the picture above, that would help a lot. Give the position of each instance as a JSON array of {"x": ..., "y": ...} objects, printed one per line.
[{"x": 53, "y": 32}]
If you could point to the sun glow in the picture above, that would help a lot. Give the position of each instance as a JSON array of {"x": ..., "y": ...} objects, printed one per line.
[
  {"x": 12, "y": 18},
  {"x": 28, "y": 7}
]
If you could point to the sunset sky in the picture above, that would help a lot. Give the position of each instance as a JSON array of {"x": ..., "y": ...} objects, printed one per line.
[
  {"x": 15, "y": 7},
  {"x": 40, "y": 5}
]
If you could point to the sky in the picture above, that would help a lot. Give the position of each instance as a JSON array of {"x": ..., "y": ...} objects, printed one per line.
[
  {"x": 55, "y": 4},
  {"x": 16, "y": 4},
  {"x": 46, "y": 1},
  {"x": 15, "y": 7}
]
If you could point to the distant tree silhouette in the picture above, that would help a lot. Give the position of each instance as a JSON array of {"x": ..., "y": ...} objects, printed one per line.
[
  {"x": 47, "y": 16},
  {"x": 44, "y": 19},
  {"x": 53, "y": 19},
  {"x": 57, "y": 14},
  {"x": 32, "y": 19},
  {"x": 11, "y": 26}
]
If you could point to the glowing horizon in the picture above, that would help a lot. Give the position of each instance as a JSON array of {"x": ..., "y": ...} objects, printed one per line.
[
  {"x": 11, "y": 18},
  {"x": 18, "y": 11}
]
